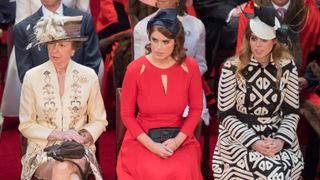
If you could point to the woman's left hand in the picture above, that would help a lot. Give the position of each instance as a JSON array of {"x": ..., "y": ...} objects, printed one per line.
[
  {"x": 303, "y": 83},
  {"x": 87, "y": 137},
  {"x": 171, "y": 143},
  {"x": 275, "y": 145}
]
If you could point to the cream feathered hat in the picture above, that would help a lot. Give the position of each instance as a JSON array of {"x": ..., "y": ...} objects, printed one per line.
[{"x": 57, "y": 28}]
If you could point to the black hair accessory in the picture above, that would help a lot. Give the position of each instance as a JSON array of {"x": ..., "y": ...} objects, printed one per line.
[{"x": 268, "y": 15}]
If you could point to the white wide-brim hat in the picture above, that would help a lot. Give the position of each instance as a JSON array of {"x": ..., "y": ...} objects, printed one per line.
[
  {"x": 262, "y": 30},
  {"x": 153, "y": 2}
]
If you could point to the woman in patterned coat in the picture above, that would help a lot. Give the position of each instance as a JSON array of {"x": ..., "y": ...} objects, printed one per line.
[
  {"x": 60, "y": 101},
  {"x": 258, "y": 107}
]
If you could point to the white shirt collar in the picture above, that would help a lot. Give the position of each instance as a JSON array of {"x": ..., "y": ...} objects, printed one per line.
[
  {"x": 47, "y": 12},
  {"x": 178, "y": 16},
  {"x": 286, "y": 6}
]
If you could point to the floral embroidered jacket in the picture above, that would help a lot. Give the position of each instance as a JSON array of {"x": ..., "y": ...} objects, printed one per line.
[{"x": 42, "y": 110}]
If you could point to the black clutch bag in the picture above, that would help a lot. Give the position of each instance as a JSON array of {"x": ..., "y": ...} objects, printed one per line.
[
  {"x": 160, "y": 135},
  {"x": 68, "y": 150}
]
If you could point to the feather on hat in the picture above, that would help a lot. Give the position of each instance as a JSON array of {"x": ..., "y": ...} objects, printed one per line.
[{"x": 57, "y": 28}]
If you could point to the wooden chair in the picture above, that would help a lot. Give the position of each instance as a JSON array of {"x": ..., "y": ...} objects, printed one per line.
[
  {"x": 120, "y": 128},
  {"x": 23, "y": 146}
]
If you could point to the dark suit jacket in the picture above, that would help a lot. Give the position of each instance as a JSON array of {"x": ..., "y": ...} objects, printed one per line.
[
  {"x": 7, "y": 13},
  {"x": 213, "y": 14},
  {"x": 309, "y": 75},
  {"x": 87, "y": 54},
  {"x": 215, "y": 10}
]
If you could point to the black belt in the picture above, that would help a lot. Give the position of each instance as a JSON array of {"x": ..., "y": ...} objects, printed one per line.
[{"x": 253, "y": 119}]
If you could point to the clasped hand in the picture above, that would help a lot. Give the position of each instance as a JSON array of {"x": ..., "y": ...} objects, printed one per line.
[
  {"x": 268, "y": 146},
  {"x": 70, "y": 135},
  {"x": 165, "y": 149}
]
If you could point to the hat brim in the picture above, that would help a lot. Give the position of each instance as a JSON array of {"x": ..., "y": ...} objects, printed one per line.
[
  {"x": 261, "y": 29},
  {"x": 153, "y": 2},
  {"x": 78, "y": 39},
  {"x": 73, "y": 39}
]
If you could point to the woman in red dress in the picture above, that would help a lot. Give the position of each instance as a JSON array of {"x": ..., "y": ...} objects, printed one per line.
[{"x": 156, "y": 89}]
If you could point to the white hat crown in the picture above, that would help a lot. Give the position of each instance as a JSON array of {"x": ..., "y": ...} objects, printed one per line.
[{"x": 262, "y": 30}]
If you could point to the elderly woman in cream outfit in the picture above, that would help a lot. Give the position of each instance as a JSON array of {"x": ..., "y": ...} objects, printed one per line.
[
  {"x": 60, "y": 101},
  {"x": 11, "y": 94}
]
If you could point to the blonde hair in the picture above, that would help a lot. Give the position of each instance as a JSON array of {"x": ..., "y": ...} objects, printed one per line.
[{"x": 243, "y": 57}]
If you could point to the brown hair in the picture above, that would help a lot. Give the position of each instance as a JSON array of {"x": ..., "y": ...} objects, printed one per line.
[
  {"x": 278, "y": 52},
  {"x": 179, "y": 52}
]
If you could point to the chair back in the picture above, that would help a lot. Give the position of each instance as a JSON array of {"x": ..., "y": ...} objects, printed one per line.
[{"x": 120, "y": 128}]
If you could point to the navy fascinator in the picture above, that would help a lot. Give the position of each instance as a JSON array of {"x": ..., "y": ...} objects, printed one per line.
[{"x": 166, "y": 18}]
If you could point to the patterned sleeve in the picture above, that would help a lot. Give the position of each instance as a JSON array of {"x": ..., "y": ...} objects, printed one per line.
[
  {"x": 227, "y": 108},
  {"x": 290, "y": 105}
]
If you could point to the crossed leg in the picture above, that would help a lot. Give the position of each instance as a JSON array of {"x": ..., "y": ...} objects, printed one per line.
[{"x": 54, "y": 170}]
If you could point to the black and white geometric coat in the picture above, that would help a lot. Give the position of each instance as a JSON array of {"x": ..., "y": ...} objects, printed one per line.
[{"x": 250, "y": 110}]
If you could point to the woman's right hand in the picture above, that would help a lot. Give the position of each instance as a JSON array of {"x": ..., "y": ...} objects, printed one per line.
[
  {"x": 171, "y": 144},
  {"x": 261, "y": 146},
  {"x": 73, "y": 135},
  {"x": 157, "y": 148},
  {"x": 161, "y": 150},
  {"x": 70, "y": 135}
]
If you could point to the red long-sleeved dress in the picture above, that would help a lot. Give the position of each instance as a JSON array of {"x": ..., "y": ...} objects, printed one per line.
[{"x": 143, "y": 92}]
